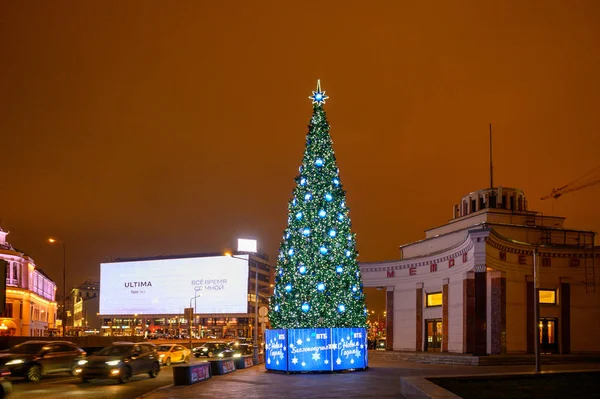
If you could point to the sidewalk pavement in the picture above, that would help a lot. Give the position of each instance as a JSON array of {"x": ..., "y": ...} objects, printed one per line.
[{"x": 381, "y": 380}]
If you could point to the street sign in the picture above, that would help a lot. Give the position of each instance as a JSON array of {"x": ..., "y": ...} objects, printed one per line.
[
  {"x": 263, "y": 311},
  {"x": 263, "y": 319},
  {"x": 189, "y": 313}
]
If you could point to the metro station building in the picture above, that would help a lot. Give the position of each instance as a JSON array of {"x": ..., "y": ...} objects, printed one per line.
[{"x": 468, "y": 286}]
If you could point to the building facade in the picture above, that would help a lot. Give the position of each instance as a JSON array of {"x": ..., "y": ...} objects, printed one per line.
[
  {"x": 85, "y": 309},
  {"x": 30, "y": 307},
  {"x": 468, "y": 287}
]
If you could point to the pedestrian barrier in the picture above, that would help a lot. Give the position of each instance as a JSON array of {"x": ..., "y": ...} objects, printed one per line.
[
  {"x": 188, "y": 374},
  {"x": 221, "y": 366},
  {"x": 243, "y": 362},
  {"x": 261, "y": 359}
]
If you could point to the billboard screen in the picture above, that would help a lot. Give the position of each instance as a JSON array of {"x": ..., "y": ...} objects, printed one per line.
[{"x": 166, "y": 286}]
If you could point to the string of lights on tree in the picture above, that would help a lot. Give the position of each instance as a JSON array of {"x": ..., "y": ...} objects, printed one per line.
[{"x": 318, "y": 282}]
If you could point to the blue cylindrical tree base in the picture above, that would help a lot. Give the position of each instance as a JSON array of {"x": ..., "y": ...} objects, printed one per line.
[{"x": 316, "y": 349}]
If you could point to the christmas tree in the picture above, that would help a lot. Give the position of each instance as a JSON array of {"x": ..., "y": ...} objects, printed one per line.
[{"x": 318, "y": 282}]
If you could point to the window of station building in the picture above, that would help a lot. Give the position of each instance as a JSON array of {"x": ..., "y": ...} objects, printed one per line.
[
  {"x": 547, "y": 297},
  {"x": 434, "y": 299},
  {"x": 492, "y": 200}
]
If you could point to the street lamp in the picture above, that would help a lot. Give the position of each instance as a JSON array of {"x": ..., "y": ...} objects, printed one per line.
[
  {"x": 536, "y": 310},
  {"x": 190, "y": 318},
  {"x": 53, "y": 241}
]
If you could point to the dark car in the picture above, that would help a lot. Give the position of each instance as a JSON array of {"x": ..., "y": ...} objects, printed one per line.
[
  {"x": 5, "y": 385},
  {"x": 121, "y": 361},
  {"x": 223, "y": 352},
  {"x": 380, "y": 344},
  {"x": 34, "y": 359},
  {"x": 245, "y": 340},
  {"x": 210, "y": 349},
  {"x": 243, "y": 350}
]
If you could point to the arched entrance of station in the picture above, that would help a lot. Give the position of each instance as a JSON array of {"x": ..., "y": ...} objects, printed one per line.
[{"x": 375, "y": 299}]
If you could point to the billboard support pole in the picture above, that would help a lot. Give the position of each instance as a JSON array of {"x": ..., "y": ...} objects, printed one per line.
[
  {"x": 64, "y": 273},
  {"x": 255, "y": 352},
  {"x": 250, "y": 246},
  {"x": 255, "y": 357}
]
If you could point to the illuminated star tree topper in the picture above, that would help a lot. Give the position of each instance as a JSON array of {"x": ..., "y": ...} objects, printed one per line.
[{"x": 318, "y": 96}]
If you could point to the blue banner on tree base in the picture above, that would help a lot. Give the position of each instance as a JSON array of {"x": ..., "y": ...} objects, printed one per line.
[
  {"x": 276, "y": 356},
  {"x": 316, "y": 349},
  {"x": 309, "y": 349}
]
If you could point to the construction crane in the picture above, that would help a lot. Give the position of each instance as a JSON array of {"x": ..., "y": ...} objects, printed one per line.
[{"x": 587, "y": 180}]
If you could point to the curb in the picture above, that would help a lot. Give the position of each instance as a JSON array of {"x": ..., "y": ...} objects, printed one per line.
[
  {"x": 419, "y": 387},
  {"x": 152, "y": 392}
]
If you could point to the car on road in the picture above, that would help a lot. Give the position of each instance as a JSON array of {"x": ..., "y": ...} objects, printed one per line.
[
  {"x": 120, "y": 361},
  {"x": 243, "y": 350},
  {"x": 34, "y": 359},
  {"x": 244, "y": 340},
  {"x": 5, "y": 385},
  {"x": 210, "y": 349},
  {"x": 223, "y": 352},
  {"x": 173, "y": 353},
  {"x": 380, "y": 344}
]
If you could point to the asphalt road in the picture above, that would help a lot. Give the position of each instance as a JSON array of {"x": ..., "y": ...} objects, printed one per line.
[{"x": 61, "y": 386}]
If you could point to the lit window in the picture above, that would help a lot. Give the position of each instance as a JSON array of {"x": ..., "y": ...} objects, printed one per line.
[
  {"x": 547, "y": 296},
  {"x": 434, "y": 299}
]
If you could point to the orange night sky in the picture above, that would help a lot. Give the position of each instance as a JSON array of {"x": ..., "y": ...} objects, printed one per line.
[{"x": 141, "y": 128}]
